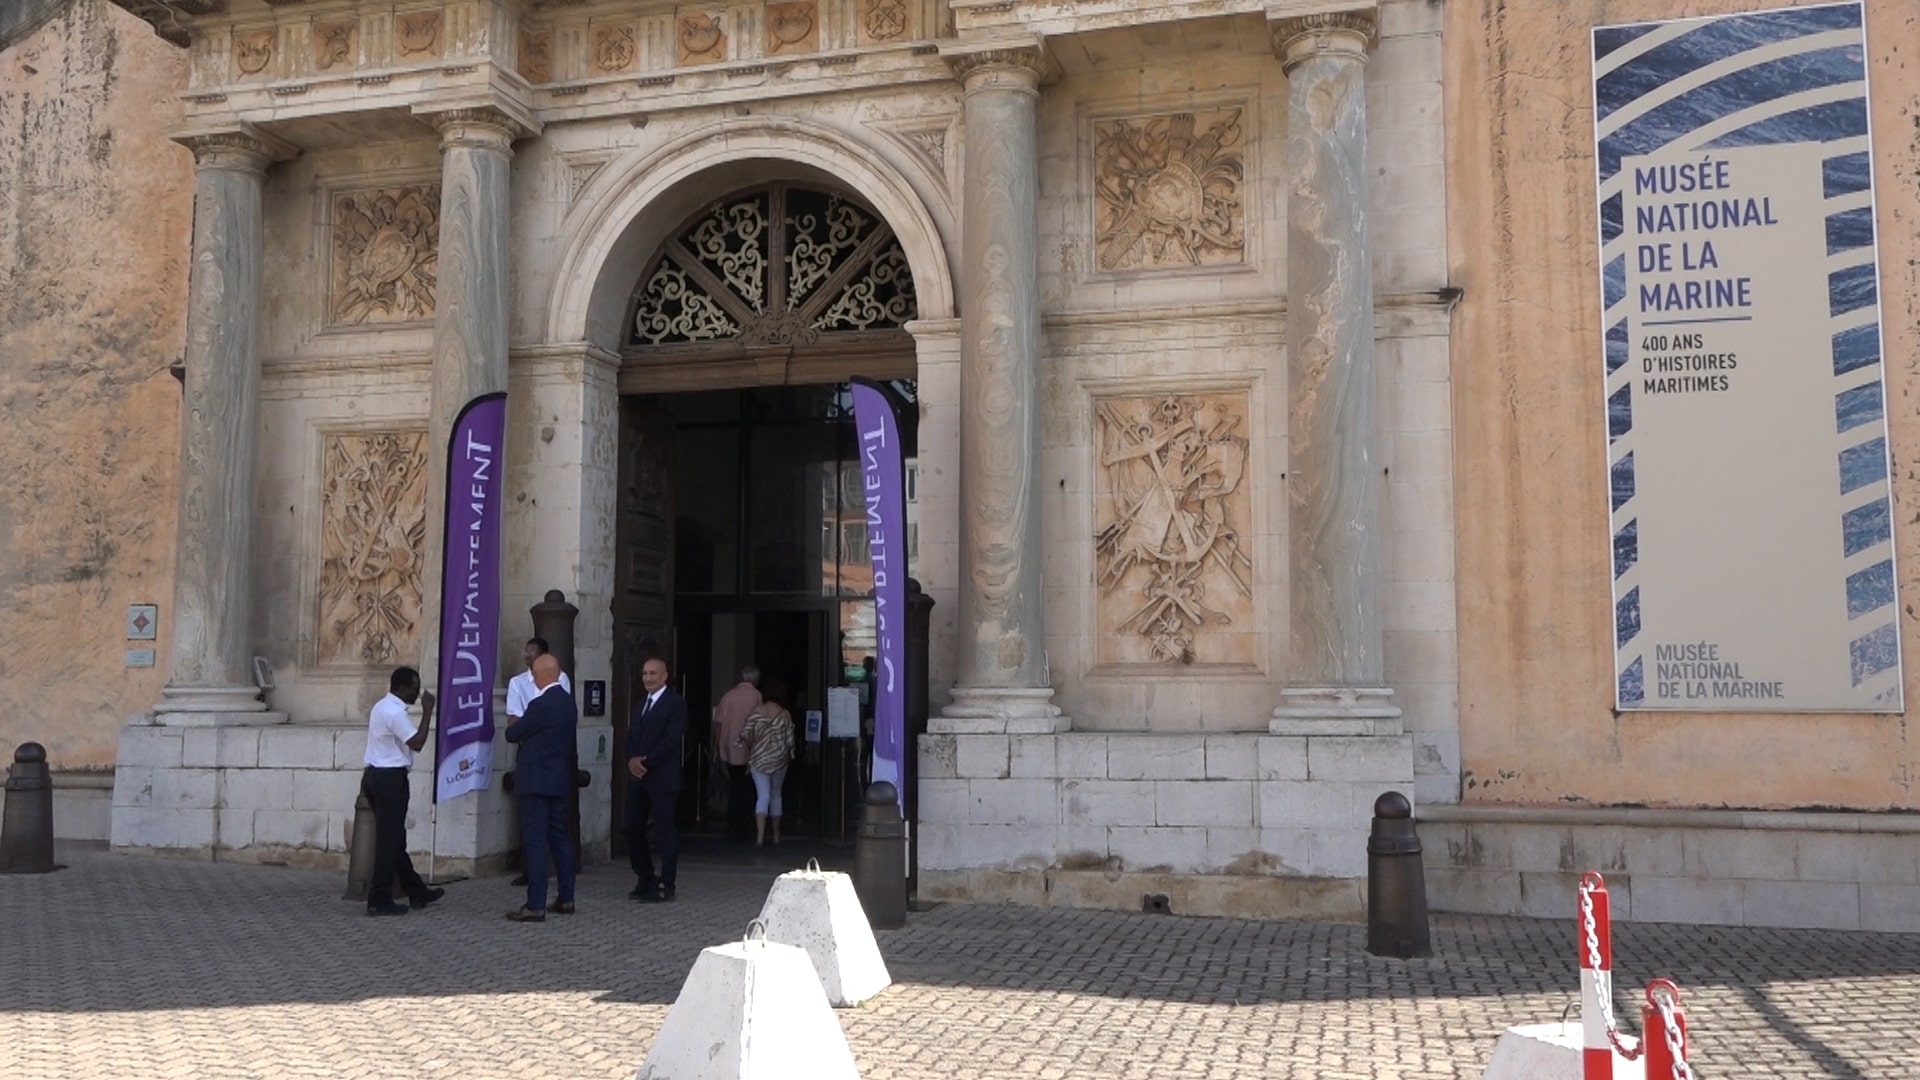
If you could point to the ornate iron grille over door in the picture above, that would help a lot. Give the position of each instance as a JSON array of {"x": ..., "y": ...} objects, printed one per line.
[{"x": 807, "y": 279}]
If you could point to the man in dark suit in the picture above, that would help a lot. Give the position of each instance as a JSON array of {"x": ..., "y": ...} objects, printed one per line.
[
  {"x": 543, "y": 775},
  {"x": 653, "y": 762}
]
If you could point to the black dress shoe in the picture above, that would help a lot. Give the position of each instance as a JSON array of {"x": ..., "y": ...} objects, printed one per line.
[
  {"x": 666, "y": 893},
  {"x": 518, "y": 882},
  {"x": 427, "y": 897},
  {"x": 561, "y": 907},
  {"x": 385, "y": 909},
  {"x": 645, "y": 892}
]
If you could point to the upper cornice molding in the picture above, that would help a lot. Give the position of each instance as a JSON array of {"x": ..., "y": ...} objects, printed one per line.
[{"x": 169, "y": 17}]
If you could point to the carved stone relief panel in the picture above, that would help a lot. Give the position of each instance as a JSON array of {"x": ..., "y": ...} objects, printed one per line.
[
  {"x": 1173, "y": 551},
  {"x": 616, "y": 49},
  {"x": 252, "y": 51},
  {"x": 417, "y": 35},
  {"x": 1169, "y": 190},
  {"x": 536, "y": 56},
  {"x": 793, "y": 28},
  {"x": 385, "y": 255},
  {"x": 881, "y": 22},
  {"x": 373, "y": 498},
  {"x": 336, "y": 43},
  {"x": 699, "y": 38}
]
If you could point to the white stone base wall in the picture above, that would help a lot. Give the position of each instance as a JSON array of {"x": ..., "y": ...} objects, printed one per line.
[
  {"x": 82, "y": 805},
  {"x": 284, "y": 793},
  {"x": 1231, "y": 824},
  {"x": 1837, "y": 871}
]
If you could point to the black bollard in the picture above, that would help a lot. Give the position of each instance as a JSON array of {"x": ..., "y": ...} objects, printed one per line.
[
  {"x": 1396, "y": 884},
  {"x": 360, "y": 851},
  {"x": 880, "y": 859},
  {"x": 26, "y": 825}
]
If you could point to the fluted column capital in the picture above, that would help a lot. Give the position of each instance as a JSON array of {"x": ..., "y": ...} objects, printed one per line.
[
  {"x": 240, "y": 148},
  {"x": 476, "y": 129},
  {"x": 1021, "y": 67},
  {"x": 1341, "y": 34}
]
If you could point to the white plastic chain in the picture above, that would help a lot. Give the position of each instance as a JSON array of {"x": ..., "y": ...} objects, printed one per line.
[
  {"x": 1664, "y": 1003},
  {"x": 1604, "y": 982}
]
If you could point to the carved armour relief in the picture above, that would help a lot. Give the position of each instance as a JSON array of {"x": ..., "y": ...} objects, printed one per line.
[
  {"x": 385, "y": 255},
  {"x": 882, "y": 21},
  {"x": 701, "y": 39},
  {"x": 1170, "y": 190},
  {"x": 416, "y": 34},
  {"x": 536, "y": 57},
  {"x": 373, "y": 499},
  {"x": 792, "y": 28},
  {"x": 334, "y": 44},
  {"x": 1173, "y": 510},
  {"x": 615, "y": 48},
  {"x": 252, "y": 51}
]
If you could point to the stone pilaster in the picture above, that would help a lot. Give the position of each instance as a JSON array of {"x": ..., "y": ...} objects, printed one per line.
[
  {"x": 210, "y": 640},
  {"x": 1003, "y": 674},
  {"x": 470, "y": 311},
  {"x": 1334, "y": 478}
]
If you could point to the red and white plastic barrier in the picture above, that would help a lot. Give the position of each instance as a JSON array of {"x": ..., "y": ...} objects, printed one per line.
[
  {"x": 1600, "y": 1035},
  {"x": 1666, "y": 1032}
]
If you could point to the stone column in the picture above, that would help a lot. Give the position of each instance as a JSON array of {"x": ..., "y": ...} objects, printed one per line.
[
  {"x": 1334, "y": 479},
  {"x": 1003, "y": 682},
  {"x": 210, "y": 648},
  {"x": 470, "y": 313}
]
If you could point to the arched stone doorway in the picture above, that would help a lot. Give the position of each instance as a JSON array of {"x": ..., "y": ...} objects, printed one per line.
[{"x": 738, "y": 538}]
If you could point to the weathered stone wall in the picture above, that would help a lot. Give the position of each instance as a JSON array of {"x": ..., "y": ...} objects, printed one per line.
[
  {"x": 1536, "y": 696},
  {"x": 95, "y": 215}
]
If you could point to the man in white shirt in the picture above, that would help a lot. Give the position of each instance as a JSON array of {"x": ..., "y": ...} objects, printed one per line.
[
  {"x": 392, "y": 740},
  {"x": 520, "y": 691}
]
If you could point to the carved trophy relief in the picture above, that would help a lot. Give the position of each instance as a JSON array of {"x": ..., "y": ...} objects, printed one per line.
[
  {"x": 373, "y": 525},
  {"x": 701, "y": 39},
  {"x": 536, "y": 57},
  {"x": 1173, "y": 510},
  {"x": 335, "y": 43},
  {"x": 252, "y": 51},
  {"x": 385, "y": 255},
  {"x": 416, "y": 34},
  {"x": 793, "y": 28},
  {"x": 881, "y": 22},
  {"x": 1169, "y": 191},
  {"x": 615, "y": 48}
]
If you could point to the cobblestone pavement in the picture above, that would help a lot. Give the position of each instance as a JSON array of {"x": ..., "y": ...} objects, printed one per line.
[{"x": 126, "y": 966}]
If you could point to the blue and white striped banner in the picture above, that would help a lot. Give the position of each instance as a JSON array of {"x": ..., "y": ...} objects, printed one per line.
[{"x": 1752, "y": 540}]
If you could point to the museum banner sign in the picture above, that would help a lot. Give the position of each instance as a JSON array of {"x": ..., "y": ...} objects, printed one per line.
[
  {"x": 1752, "y": 542},
  {"x": 470, "y": 599}
]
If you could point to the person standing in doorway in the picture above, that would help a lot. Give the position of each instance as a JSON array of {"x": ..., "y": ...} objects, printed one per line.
[
  {"x": 769, "y": 741},
  {"x": 545, "y": 733},
  {"x": 729, "y": 720},
  {"x": 520, "y": 691},
  {"x": 654, "y": 739},
  {"x": 392, "y": 740}
]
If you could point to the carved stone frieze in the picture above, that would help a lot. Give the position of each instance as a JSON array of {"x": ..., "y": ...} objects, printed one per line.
[
  {"x": 373, "y": 497},
  {"x": 336, "y": 43},
  {"x": 1170, "y": 190},
  {"x": 700, "y": 39},
  {"x": 1173, "y": 510},
  {"x": 615, "y": 49},
  {"x": 882, "y": 22},
  {"x": 385, "y": 255},
  {"x": 416, "y": 35},
  {"x": 793, "y": 28},
  {"x": 536, "y": 56},
  {"x": 252, "y": 51}
]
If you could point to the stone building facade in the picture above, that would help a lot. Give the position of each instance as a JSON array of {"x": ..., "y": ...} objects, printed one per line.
[{"x": 1239, "y": 334}]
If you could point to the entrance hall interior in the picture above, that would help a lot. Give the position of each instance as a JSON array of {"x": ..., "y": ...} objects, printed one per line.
[{"x": 766, "y": 565}]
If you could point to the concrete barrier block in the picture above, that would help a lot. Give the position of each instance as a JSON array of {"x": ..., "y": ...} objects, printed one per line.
[
  {"x": 1547, "y": 1052},
  {"x": 750, "y": 1011},
  {"x": 819, "y": 911}
]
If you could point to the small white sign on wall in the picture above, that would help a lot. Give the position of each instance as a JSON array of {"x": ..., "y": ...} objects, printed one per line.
[{"x": 143, "y": 621}]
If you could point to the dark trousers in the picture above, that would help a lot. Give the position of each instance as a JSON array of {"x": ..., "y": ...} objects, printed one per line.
[
  {"x": 543, "y": 835},
  {"x": 387, "y": 790},
  {"x": 740, "y": 799},
  {"x": 646, "y": 804}
]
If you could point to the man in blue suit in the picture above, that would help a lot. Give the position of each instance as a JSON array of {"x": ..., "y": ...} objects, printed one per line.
[
  {"x": 654, "y": 738},
  {"x": 543, "y": 776}
]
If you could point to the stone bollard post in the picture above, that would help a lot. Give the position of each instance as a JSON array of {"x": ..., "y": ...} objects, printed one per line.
[
  {"x": 26, "y": 826},
  {"x": 880, "y": 859},
  {"x": 1396, "y": 884},
  {"x": 360, "y": 851}
]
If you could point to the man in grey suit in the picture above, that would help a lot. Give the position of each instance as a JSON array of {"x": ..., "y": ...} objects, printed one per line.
[
  {"x": 543, "y": 775},
  {"x": 654, "y": 739}
]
